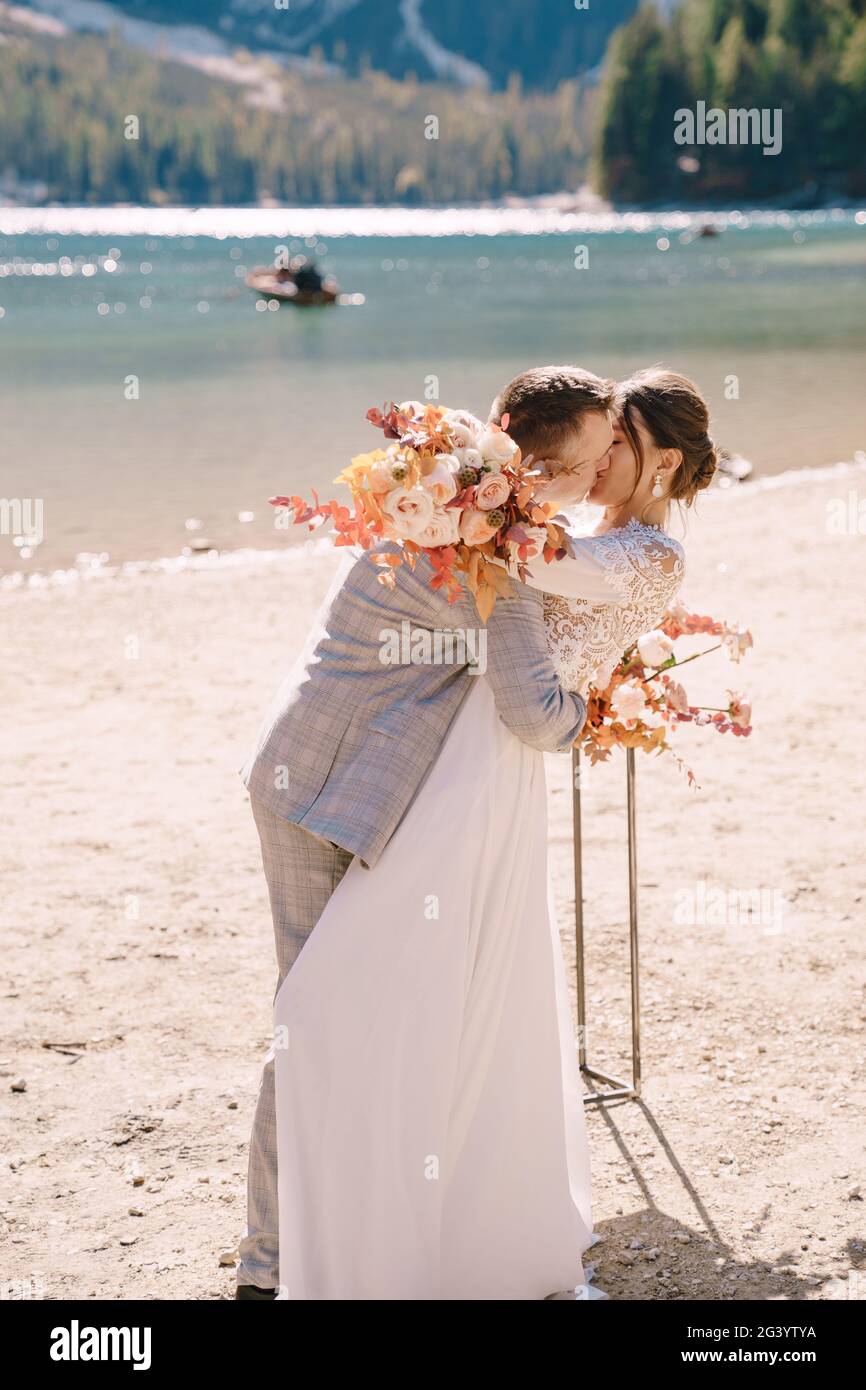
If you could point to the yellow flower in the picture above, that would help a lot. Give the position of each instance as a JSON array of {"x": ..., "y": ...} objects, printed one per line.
[{"x": 355, "y": 475}]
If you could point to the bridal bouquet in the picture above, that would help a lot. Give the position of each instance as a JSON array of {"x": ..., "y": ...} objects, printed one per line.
[
  {"x": 449, "y": 486},
  {"x": 643, "y": 702}
]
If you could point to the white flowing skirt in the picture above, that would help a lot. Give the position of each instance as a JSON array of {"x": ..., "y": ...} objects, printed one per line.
[{"x": 431, "y": 1135}]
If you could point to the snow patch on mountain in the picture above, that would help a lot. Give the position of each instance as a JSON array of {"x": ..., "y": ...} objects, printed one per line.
[
  {"x": 190, "y": 44},
  {"x": 447, "y": 66},
  {"x": 318, "y": 17}
]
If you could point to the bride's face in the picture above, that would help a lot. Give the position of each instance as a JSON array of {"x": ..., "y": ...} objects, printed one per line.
[{"x": 616, "y": 484}]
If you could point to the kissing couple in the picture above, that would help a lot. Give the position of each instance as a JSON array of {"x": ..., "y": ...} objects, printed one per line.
[{"x": 420, "y": 1130}]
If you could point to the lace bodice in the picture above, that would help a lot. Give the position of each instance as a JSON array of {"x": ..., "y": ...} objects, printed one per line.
[{"x": 630, "y": 576}]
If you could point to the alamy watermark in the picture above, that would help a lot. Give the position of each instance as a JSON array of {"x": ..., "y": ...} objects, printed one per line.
[
  {"x": 438, "y": 646},
  {"x": 27, "y": 1287},
  {"x": 736, "y": 126},
  {"x": 22, "y": 517},
  {"x": 701, "y": 904},
  {"x": 77, "y": 1343},
  {"x": 845, "y": 516}
]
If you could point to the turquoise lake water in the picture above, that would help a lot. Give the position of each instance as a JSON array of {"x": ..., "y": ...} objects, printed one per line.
[{"x": 236, "y": 403}]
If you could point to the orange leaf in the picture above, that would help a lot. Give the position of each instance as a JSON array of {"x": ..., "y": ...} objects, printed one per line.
[{"x": 485, "y": 599}]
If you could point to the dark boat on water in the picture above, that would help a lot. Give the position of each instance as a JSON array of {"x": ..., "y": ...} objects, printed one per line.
[
  {"x": 265, "y": 283},
  {"x": 299, "y": 283}
]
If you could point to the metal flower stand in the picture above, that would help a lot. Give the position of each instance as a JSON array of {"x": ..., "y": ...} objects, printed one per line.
[{"x": 620, "y": 1088}]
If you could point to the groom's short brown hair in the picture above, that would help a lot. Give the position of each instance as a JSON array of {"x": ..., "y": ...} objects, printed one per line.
[{"x": 545, "y": 404}]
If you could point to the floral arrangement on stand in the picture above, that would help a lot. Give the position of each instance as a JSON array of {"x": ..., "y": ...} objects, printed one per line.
[
  {"x": 643, "y": 702},
  {"x": 446, "y": 485}
]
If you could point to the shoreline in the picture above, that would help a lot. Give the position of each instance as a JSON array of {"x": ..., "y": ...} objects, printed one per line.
[
  {"x": 247, "y": 558},
  {"x": 401, "y": 220}
]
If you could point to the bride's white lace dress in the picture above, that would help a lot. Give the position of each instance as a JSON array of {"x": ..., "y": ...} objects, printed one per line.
[{"x": 430, "y": 1125}]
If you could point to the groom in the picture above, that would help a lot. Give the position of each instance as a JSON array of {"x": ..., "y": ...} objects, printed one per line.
[{"x": 348, "y": 739}]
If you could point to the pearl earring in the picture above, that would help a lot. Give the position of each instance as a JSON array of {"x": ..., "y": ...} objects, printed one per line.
[{"x": 658, "y": 490}]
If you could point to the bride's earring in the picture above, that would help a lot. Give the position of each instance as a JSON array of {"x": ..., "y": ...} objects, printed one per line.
[{"x": 658, "y": 490}]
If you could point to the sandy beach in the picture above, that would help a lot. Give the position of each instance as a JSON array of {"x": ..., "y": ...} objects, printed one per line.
[{"x": 138, "y": 968}]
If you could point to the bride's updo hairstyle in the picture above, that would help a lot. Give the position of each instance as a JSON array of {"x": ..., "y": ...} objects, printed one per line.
[{"x": 676, "y": 416}]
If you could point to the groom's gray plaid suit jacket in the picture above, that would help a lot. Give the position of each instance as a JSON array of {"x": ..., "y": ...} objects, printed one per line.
[{"x": 348, "y": 740}]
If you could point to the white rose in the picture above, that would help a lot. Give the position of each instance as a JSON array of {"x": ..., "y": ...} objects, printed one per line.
[
  {"x": 442, "y": 529},
  {"x": 462, "y": 435},
  {"x": 654, "y": 648},
  {"x": 466, "y": 419},
  {"x": 408, "y": 510},
  {"x": 497, "y": 447},
  {"x": 628, "y": 702},
  {"x": 411, "y": 408},
  {"x": 468, "y": 458},
  {"x": 381, "y": 475},
  {"x": 441, "y": 481}
]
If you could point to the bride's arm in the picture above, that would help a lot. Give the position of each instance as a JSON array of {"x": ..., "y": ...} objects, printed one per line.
[
  {"x": 585, "y": 573},
  {"x": 619, "y": 566},
  {"x": 613, "y": 568}
]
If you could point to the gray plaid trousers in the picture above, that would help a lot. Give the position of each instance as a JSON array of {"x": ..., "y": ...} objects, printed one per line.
[{"x": 302, "y": 872}]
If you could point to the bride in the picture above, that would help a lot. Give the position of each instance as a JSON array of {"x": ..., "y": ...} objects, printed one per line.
[{"x": 431, "y": 1136}]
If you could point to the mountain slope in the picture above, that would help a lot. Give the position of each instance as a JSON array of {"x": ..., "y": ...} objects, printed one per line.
[
  {"x": 295, "y": 139},
  {"x": 482, "y": 44}
]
